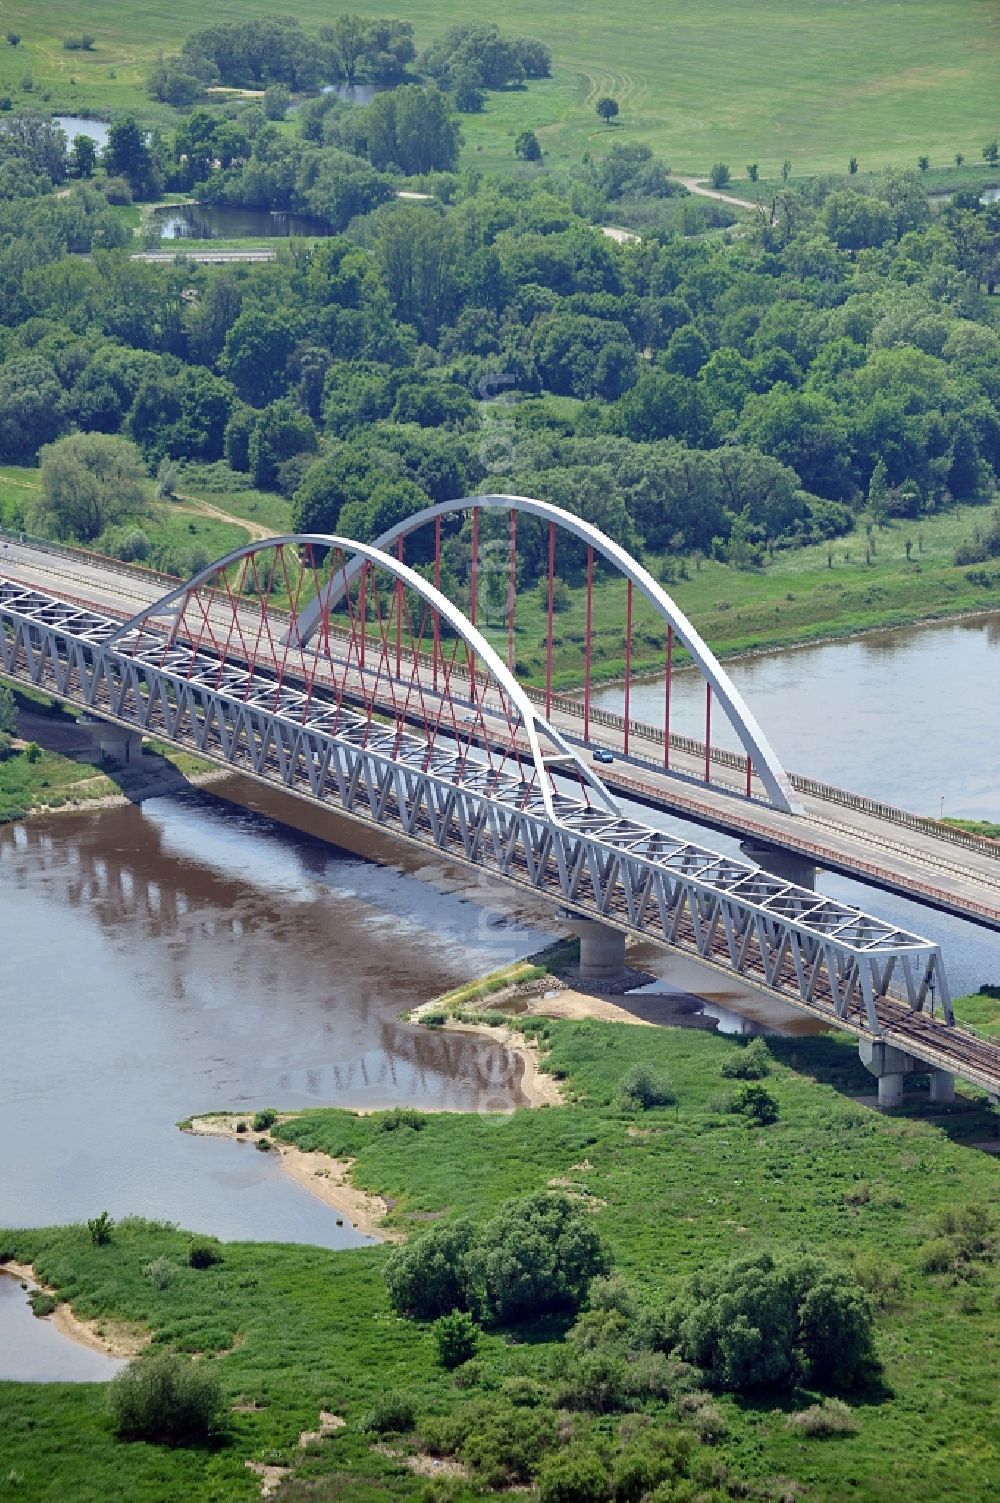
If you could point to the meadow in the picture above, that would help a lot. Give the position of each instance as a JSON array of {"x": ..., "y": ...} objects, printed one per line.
[
  {"x": 296, "y": 1329},
  {"x": 813, "y": 82}
]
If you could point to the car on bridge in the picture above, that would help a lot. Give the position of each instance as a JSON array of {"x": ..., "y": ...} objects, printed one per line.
[{"x": 603, "y": 756}]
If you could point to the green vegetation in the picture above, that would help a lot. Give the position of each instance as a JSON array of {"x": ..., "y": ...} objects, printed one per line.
[
  {"x": 167, "y": 1398},
  {"x": 700, "y": 88},
  {"x": 986, "y": 827},
  {"x": 692, "y": 1209}
]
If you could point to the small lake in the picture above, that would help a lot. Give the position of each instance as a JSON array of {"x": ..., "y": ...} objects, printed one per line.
[
  {"x": 357, "y": 93},
  {"x": 220, "y": 222},
  {"x": 36, "y": 1351},
  {"x": 83, "y": 125}
]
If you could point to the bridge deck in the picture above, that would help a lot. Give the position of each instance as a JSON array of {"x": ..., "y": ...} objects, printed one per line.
[{"x": 839, "y": 832}]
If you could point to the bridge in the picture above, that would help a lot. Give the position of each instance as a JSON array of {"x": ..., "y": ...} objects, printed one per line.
[{"x": 366, "y": 689}]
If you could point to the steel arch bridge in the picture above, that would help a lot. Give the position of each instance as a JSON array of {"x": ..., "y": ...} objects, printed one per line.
[{"x": 336, "y": 670}]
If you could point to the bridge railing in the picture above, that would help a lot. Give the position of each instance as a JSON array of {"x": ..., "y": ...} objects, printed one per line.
[{"x": 689, "y": 745}]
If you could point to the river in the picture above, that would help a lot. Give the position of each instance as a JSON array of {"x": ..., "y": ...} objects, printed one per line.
[{"x": 206, "y": 952}]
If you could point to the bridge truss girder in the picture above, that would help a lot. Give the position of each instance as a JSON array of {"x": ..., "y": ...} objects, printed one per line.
[{"x": 823, "y": 956}]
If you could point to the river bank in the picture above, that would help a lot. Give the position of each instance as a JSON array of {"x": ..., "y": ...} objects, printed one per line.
[{"x": 114, "y": 1338}]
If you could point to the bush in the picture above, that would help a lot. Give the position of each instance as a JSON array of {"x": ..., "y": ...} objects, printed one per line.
[
  {"x": 161, "y": 1272},
  {"x": 457, "y": 1337},
  {"x": 573, "y": 1476},
  {"x": 597, "y": 1380},
  {"x": 265, "y": 1120},
  {"x": 391, "y": 1412},
  {"x": 758, "y": 1324},
  {"x": 426, "y": 1277},
  {"x": 719, "y": 175},
  {"x": 641, "y": 1088},
  {"x": 33, "y": 752},
  {"x": 535, "y": 1255},
  {"x": 832, "y": 1417},
  {"x": 42, "y": 1303},
  {"x": 503, "y": 1445},
  {"x": 401, "y": 1116},
  {"x": 751, "y": 1063},
  {"x": 203, "y": 1252},
  {"x": 100, "y": 1229},
  {"x": 756, "y": 1104},
  {"x": 166, "y": 1398}
]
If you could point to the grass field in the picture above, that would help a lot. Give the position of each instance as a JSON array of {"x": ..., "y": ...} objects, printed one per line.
[
  {"x": 298, "y": 1328},
  {"x": 701, "y": 80}
]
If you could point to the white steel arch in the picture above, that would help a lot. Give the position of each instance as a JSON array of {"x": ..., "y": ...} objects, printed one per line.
[
  {"x": 741, "y": 718},
  {"x": 167, "y": 611}
]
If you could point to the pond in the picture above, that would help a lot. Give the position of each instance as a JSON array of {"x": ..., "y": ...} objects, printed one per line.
[
  {"x": 357, "y": 93},
  {"x": 221, "y": 222},
  {"x": 36, "y": 1351},
  {"x": 83, "y": 125},
  {"x": 938, "y": 200}
]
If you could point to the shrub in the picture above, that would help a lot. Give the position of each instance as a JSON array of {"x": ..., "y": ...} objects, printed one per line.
[
  {"x": 161, "y": 1272},
  {"x": 401, "y": 1116},
  {"x": 100, "y": 1229},
  {"x": 434, "y": 1019},
  {"x": 42, "y": 1303},
  {"x": 457, "y": 1337},
  {"x": 503, "y": 1446},
  {"x": 203, "y": 1252},
  {"x": 33, "y": 752},
  {"x": 756, "y": 1104},
  {"x": 597, "y": 1380},
  {"x": 166, "y": 1398},
  {"x": 719, "y": 174},
  {"x": 573, "y": 1476},
  {"x": 426, "y": 1277},
  {"x": 535, "y": 1255},
  {"x": 265, "y": 1120},
  {"x": 831, "y": 1417},
  {"x": 391, "y": 1412},
  {"x": 751, "y": 1063},
  {"x": 758, "y": 1324},
  {"x": 641, "y": 1088}
]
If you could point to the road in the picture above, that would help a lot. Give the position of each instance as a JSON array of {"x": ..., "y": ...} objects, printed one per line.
[{"x": 838, "y": 831}]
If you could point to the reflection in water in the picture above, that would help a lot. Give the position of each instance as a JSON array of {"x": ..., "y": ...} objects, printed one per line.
[
  {"x": 34, "y": 1351},
  {"x": 191, "y": 956},
  {"x": 904, "y": 716}
]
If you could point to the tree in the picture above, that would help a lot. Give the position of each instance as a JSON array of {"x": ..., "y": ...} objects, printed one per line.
[
  {"x": 8, "y": 712},
  {"x": 90, "y": 481},
  {"x": 719, "y": 174},
  {"x": 924, "y": 163},
  {"x": 786, "y": 170},
  {"x": 411, "y": 129},
  {"x": 347, "y": 38},
  {"x": 281, "y": 432},
  {"x": 758, "y": 1324},
  {"x": 31, "y": 408},
  {"x": 991, "y": 153},
  {"x": 127, "y": 155},
  {"x": 527, "y": 148},
  {"x": 607, "y": 108},
  {"x": 457, "y": 1337},
  {"x": 255, "y": 355},
  {"x": 959, "y": 158},
  {"x": 852, "y": 166},
  {"x": 276, "y": 101},
  {"x": 83, "y": 157},
  {"x": 753, "y": 171},
  {"x": 426, "y": 1277},
  {"x": 535, "y": 1255}
]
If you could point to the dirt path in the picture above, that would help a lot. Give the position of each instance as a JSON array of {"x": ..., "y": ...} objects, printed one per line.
[
  {"x": 695, "y": 185},
  {"x": 256, "y": 531}
]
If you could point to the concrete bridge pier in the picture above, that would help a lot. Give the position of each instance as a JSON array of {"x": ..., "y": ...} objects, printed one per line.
[
  {"x": 602, "y": 950},
  {"x": 787, "y": 865},
  {"x": 891, "y": 1066},
  {"x": 115, "y": 742}
]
